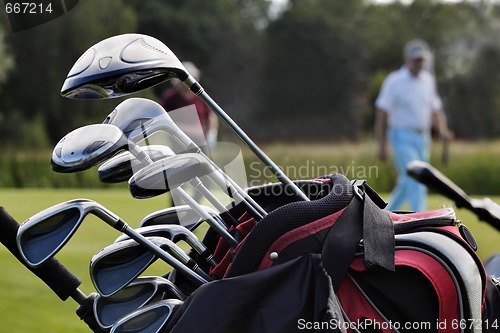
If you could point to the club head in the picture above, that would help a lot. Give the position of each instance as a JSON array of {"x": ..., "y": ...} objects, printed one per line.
[
  {"x": 150, "y": 319},
  {"x": 175, "y": 233},
  {"x": 178, "y": 215},
  {"x": 121, "y": 167},
  {"x": 141, "y": 117},
  {"x": 163, "y": 175},
  {"x": 116, "y": 265},
  {"x": 122, "y": 65},
  {"x": 139, "y": 293},
  {"x": 41, "y": 236},
  {"x": 87, "y": 146},
  {"x": 437, "y": 181}
]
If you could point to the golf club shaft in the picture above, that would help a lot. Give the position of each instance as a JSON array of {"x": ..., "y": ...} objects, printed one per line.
[
  {"x": 222, "y": 179},
  {"x": 250, "y": 144},
  {"x": 164, "y": 255},
  {"x": 198, "y": 185},
  {"x": 139, "y": 154},
  {"x": 137, "y": 151},
  {"x": 178, "y": 253},
  {"x": 86, "y": 312},
  {"x": 78, "y": 296},
  {"x": 170, "y": 231},
  {"x": 445, "y": 153},
  {"x": 221, "y": 230},
  {"x": 227, "y": 182}
]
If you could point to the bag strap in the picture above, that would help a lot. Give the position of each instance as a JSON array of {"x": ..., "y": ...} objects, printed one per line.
[{"x": 364, "y": 224}]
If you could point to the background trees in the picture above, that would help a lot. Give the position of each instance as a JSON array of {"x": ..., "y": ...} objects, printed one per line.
[{"x": 310, "y": 73}]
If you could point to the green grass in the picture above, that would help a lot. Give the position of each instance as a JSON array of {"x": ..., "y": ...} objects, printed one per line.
[
  {"x": 27, "y": 305},
  {"x": 474, "y": 166}
]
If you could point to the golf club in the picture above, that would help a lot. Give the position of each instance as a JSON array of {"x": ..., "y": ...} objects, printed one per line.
[
  {"x": 128, "y": 63},
  {"x": 175, "y": 233},
  {"x": 149, "y": 319},
  {"x": 140, "y": 117},
  {"x": 485, "y": 209},
  {"x": 81, "y": 143},
  {"x": 90, "y": 145},
  {"x": 168, "y": 175},
  {"x": 178, "y": 215},
  {"x": 40, "y": 237},
  {"x": 120, "y": 167},
  {"x": 137, "y": 294},
  {"x": 57, "y": 277},
  {"x": 54, "y": 274},
  {"x": 116, "y": 265}
]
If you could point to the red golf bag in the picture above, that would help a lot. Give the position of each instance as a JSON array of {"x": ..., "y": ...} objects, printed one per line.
[{"x": 340, "y": 263}]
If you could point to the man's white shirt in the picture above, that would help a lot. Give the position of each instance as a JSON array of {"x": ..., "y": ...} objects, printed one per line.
[{"x": 408, "y": 100}]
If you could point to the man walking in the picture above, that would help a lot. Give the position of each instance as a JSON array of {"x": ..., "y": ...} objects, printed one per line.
[{"x": 408, "y": 107}]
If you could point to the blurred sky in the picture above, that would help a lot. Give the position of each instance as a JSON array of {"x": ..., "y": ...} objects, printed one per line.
[
  {"x": 280, "y": 3},
  {"x": 406, "y": 1},
  {"x": 277, "y": 6}
]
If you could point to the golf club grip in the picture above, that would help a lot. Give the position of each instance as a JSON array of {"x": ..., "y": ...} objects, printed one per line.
[
  {"x": 86, "y": 313},
  {"x": 435, "y": 180},
  {"x": 53, "y": 273}
]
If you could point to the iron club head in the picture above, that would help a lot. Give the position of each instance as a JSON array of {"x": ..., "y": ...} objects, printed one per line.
[
  {"x": 139, "y": 293},
  {"x": 149, "y": 319},
  {"x": 175, "y": 233},
  {"x": 116, "y": 265},
  {"x": 178, "y": 215},
  {"x": 41, "y": 236}
]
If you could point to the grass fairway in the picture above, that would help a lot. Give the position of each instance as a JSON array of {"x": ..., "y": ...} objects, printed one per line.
[{"x": 27, "y": 305}]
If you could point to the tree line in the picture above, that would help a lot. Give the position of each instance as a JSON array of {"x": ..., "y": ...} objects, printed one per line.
[{"x": 311, "y": 72}]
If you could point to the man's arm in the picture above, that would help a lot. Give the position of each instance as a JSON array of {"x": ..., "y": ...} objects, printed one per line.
[
  {"x": 381, "y": 132},
  {"x": 440, "y": 124}
]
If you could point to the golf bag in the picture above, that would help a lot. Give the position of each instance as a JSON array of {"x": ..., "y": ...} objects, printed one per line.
[{"x": 340, "y": 263}]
